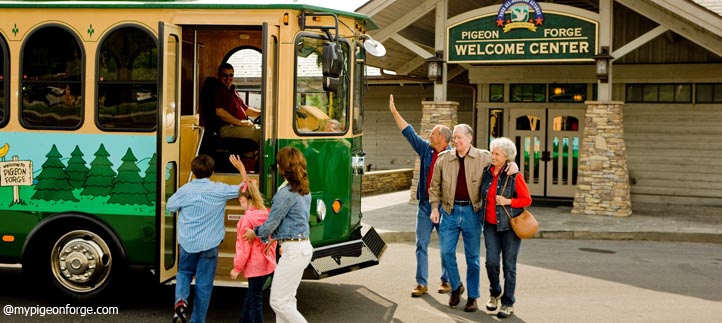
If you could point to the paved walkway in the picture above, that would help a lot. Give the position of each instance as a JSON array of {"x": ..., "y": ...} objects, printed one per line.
[{"x": 394, "y": 217}]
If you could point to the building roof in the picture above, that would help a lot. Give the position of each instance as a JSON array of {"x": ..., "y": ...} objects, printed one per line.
[
  {"x": 711, "y": 5},
  {"x": 407, "y": 27}
]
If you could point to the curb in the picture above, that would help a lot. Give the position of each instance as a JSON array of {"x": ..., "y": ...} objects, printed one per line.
[{"x": 399, "y": 237}]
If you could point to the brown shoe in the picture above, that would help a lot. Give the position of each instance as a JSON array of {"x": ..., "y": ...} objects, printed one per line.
[
  {"x": 471, "y": 305},
  {"x": 455, "y": 297},
  {"x": 419, "y": 290},
  {"x": 444, "y": 288}
]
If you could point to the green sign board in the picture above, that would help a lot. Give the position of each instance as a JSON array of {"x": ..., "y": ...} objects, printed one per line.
[{"x": 558, "y": 37}]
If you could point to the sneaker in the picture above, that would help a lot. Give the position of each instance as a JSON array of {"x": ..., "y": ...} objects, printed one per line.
[
  {"x": 180, "y": 312},
  {"x": 505, "y": 311},
  {"x": 493, "y": 303},
  {"x": 444, "y": 288},
  {"x": 419, "y": 290},
  {"x": 455, "y": 297}
]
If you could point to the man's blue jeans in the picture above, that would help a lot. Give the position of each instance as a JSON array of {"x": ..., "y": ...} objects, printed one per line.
[
  {"x": 462, "y": 220},
  {"x": 202, "y": 265},
  {"x": 507, "y": 244},
  {"x": 424, "y": 227}
]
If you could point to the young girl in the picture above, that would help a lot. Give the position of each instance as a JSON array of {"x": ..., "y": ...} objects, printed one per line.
[
  {"x": 288, "y": 223},
  {"x": 255, "y": 259}
]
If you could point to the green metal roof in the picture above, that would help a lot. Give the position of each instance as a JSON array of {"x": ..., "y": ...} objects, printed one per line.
[{"x": 181, "y": 4}]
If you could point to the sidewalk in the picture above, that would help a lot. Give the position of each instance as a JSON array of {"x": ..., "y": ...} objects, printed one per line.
[{"x": 394, "y": 217}]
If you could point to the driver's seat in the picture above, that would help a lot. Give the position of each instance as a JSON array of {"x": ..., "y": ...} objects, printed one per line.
[{"x": 219, "y": 148}]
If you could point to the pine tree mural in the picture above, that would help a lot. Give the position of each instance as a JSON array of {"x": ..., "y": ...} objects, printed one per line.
[
  {"x": 150, "y": 181},
  {"x": 53, "y": 182},
  {"x": 99, "y": 179},
  {"x": 128, "y": 185},
  {"x": 76, "y": 168}
]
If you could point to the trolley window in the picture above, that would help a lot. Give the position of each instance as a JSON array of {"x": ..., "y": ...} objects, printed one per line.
[
  {"x": 127, "y": 81},
  {"x": 52, "y": 74}
]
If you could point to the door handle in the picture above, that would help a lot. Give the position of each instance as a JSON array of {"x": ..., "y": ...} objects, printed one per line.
[{"x": 546, "y": 156}]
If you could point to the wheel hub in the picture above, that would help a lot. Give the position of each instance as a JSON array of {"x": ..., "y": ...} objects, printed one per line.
[{"x": 81, "y": 261}]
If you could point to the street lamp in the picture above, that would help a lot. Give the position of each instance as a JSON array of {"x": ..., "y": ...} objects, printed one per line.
[
  {"x": 436, "y": 67},
  {"x": 602, "y": 59}
]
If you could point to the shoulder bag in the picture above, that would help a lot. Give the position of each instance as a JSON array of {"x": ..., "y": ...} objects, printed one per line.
[{"x": 524, "y": 225}]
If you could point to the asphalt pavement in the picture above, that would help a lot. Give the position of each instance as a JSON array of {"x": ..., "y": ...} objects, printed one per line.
[{"x": 393, "y": 215}]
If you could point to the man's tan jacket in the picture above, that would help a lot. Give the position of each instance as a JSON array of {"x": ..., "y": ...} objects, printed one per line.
[{"x": 443, "y": 182}]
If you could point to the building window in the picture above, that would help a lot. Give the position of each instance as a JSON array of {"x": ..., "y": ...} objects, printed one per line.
[
  {"x": 567, "y": 92},
  {"x": 708, "y": 93},
  {"x": 496, "y": 93},
  {"x": 527, "y": 92},
  {"x": 52, "y": 70},
  {"x": 662, "y": 93},
  {"x": 128, "y": 81}
]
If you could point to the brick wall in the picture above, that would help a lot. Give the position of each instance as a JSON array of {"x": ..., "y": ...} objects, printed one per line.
[{"x": 385, "y": 181}]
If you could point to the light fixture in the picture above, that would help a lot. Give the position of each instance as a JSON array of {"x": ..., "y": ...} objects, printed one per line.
[
  {"x": 602, "y": 59},
  {"x": 436, "y": 66},
  {"x": 577, "y": 97},
  {"x": 558, "y": 91}
]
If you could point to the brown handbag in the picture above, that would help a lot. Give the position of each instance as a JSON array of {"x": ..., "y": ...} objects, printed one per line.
[{"x": 524, "y": 224}]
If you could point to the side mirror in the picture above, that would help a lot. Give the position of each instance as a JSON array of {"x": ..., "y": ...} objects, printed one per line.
[{"x": 332, "y": 64}]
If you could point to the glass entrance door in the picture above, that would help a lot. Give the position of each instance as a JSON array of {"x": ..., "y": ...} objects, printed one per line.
[{"x": 548, "y": 142}]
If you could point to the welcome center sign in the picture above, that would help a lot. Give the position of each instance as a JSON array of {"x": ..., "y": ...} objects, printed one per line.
[{"x": 520, "y": 32}]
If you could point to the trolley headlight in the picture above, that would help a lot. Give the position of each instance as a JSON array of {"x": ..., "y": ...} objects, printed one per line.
[{"x": 320, "y": 210}]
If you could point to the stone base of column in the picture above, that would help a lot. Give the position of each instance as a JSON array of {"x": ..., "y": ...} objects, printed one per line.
[
  {"x": 433, "y": 113},
  {"x": 603, "y": 180}
]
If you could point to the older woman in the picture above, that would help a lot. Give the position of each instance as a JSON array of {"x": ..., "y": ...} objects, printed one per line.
[{"x": 502, "y": 193}]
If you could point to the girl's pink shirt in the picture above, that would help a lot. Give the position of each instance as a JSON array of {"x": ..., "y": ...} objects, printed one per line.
[{"x": 250, "y": 258}]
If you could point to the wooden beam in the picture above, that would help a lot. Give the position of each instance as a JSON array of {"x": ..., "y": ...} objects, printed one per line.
[
  {"x": 688, "y": 28},
  {"x": 371, "y": 8},
  {"x": 639, "y": 41},
  {"x": 387, "y": 31},
  {"x": 410, "y": 66},
  {"x": 412, "y": 46}
]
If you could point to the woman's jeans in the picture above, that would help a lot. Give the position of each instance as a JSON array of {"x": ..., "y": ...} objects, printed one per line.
[
  {"x": 203, "y": 266},
  {"x": 507, "y": 244},
  {"x": 462, "y": 220},
  {"x": 295, "y": 258},
  {"x": 252, "y": 310}
]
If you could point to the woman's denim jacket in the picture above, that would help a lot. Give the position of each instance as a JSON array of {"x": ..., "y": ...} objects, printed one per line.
[
  {"x": 288, "y": 218},
  {"x": 502, "y": 222}
]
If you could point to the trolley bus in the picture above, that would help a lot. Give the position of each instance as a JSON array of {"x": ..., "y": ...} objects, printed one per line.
[{"x": 103, "y": 106}]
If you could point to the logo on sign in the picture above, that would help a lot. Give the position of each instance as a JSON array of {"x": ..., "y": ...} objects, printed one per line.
[{"x": 519, "y": 15}]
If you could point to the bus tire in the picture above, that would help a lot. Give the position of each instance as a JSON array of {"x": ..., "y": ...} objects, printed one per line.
[{"x": 79, "y": 262}]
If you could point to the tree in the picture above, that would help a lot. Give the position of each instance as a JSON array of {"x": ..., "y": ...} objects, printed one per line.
[
  {"x": 76, "y": 168},
  {"x": 128, "y": 185},
  {"x": 53, "y": 184},
  {"x": 150, "y": 181},
  {"x": 99, "y": 179}
]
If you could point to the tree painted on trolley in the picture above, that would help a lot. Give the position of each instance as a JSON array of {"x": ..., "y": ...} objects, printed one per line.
[
  {"x": 128, "y": 185},
  {"x": 76, "y": 168},
  {"x": 99, "y": 180},
  {"x": 149, "y": 181},
  {"x": 53, "y": 181}
]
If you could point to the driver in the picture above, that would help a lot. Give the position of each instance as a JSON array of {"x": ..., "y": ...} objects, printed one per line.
[{"x": 231, "y": 109}]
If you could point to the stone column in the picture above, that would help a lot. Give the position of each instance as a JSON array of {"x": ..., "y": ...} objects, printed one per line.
[
  {"x": 603, "y": 180},
  {"x": 433, "y": 113}
]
